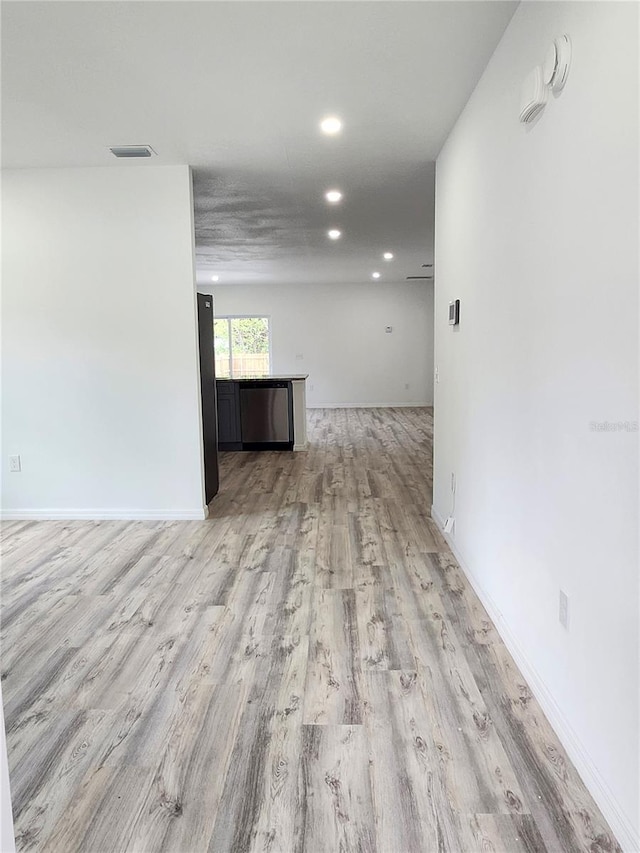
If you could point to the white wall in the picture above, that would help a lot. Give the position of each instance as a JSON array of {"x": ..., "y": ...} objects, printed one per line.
[
  {"x": 339, "y": 330},
  {"x": 100, "y": 384},
  {"x": 537, "y": 234}
]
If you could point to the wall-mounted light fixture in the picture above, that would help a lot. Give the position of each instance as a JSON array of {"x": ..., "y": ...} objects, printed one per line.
[{"x": 551, "y": 76}]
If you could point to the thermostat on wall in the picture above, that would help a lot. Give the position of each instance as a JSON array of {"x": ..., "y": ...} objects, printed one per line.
[{"x": 454, "y": 313}]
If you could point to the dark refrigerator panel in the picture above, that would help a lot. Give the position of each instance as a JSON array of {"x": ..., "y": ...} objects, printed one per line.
[{"x": 208, "y": 392}]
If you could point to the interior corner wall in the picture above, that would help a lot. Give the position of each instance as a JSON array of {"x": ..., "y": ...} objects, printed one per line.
[
  {"x": 100, "y": 382},
  {"x": 336, "y": 334},
  {"x": 536, "y": 411}
]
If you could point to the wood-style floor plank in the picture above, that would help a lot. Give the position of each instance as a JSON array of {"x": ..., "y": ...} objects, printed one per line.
[
  {"x": 307, "y": 671},
  {"x": 337, "y": 808}
]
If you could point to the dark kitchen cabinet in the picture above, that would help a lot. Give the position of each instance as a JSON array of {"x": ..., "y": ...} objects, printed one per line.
[{"x": 229, "y": 435}]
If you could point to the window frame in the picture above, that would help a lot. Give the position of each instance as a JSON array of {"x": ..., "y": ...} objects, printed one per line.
[{"x": 228, "y": 318}]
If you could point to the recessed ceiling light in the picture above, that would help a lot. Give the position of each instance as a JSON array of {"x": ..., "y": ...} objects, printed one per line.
[
  {"x": 215, "y": 278},
  {"x": 375, "y": 275},
  {"x": 334, "y": 234},
  {"x": 333, "y": 196},
  {"x": 331, "y": 125},
  {"x": 388, "y": 256}
]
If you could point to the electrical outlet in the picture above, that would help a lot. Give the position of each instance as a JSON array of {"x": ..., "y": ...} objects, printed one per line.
[
  {"x": 563, "y": 609},
  {"x": 437, "y": 375},
  {"x": 14, "y": 464},
  {"x": 453, "y": 483}
]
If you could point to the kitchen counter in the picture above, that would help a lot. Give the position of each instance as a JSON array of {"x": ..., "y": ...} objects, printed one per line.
[
  {"x": 231, "y": 435},
  {"x": 284, "y": 377}
]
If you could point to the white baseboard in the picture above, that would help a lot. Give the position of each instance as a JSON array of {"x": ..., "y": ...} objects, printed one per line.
[
  {"x": 104, "y": 514},
  {"x": 419, "y": 405},
  {"x": 621, "y": 825}
]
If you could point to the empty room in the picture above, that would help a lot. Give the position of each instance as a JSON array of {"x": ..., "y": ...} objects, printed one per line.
[{"x": 320, "y": 426}]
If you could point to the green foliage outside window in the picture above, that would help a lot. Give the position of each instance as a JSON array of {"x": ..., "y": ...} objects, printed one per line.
[
  {"x": 241, "y": 346},
  {"x": 250, "y": 335}
]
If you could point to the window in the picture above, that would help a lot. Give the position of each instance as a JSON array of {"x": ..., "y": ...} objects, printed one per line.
[{"x": 242, "y": 346}]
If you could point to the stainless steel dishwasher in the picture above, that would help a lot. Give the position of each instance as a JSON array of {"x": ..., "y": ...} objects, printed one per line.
[{"x": 266, "y": 416}]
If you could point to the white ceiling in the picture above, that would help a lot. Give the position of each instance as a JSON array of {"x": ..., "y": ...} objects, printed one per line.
[{"x": 237, "y": 89}]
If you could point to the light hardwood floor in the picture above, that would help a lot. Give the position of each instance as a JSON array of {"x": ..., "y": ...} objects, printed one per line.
[{"x": 307, "y": 670}]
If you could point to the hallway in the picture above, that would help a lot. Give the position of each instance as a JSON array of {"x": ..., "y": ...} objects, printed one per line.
[{"x": 307, "y": 670}]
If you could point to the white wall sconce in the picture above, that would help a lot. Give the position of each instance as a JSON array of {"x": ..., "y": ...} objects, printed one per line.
[
  {"x": 534, "y": 95},
  {"x": 556, "y": 64},
  {"x": 550, "y": 76}
]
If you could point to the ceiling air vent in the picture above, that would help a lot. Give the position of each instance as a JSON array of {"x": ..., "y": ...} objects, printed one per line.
[
  {"x": 132, "y": 151},
  {"x": 419, "y": 277}
]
